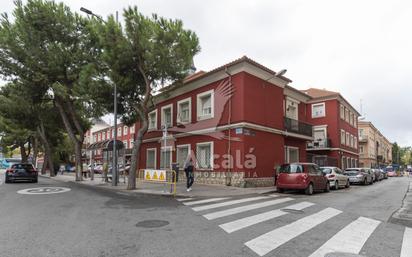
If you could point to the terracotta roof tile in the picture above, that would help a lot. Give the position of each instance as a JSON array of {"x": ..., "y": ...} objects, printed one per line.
[{"x": 316, "y": 92}]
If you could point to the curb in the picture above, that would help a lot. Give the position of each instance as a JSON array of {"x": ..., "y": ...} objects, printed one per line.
[{"x": 403, "y": 216}]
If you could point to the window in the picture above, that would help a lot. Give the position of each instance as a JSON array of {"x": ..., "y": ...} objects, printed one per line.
[
  {"x": 108, "y": 134},
  {"x": 291, "y": 108},
  {"x": 132, "y": 129},
  {"x": 125, "y": 130},
  {"x": 131, "y": 143},
  {"x": 103, "y": 135},
  {"x": 319, "y": 136},
  {"x": 205, "y": 102},
  {"x": 343, "y": 164},
  {"x": 184, "y": 111},
  {"x": 318, "y": 110},
  {"x": 151, "y": 158},
  {"x": 94, "y": 138},
  {"x": 166, "y": 157},
  {"x": 119, "y": 131},
  {"x": 167, "y": 112},
  {"x": 347, "y": 115},
  {"x": 352, "y": 143},
  {"x": 361, "y": 149},
  {"x": 182, "y": 152},
  {"x": 342, "y": 112},
  {"x": 342, "y": 137},
  {"x": 152, "y": 120},
  {"x": 125, "y": 144},
  {"x": 291, "y": 154},
  {"x": 348, "y": 162},
  {"x": 355, "y": 139},
  {"x": 99, "y": 137},
  {"x": 347, "y": 139},
  {"x": 112, "y": 133},
  {"x": 204, "y": 155},
  {"x": 350, "y": 118}
]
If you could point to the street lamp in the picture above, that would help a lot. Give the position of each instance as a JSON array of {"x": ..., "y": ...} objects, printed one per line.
[{"x": 114, "y": 155}]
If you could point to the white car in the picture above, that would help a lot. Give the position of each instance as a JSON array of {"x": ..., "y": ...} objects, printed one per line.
[{"x": 336, "y": 177}]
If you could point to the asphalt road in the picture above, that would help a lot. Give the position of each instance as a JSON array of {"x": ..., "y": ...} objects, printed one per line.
[{"x": 88, "y": 221}]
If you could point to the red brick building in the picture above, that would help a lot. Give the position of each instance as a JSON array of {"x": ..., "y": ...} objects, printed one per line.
[
  {"x": 237, "y": 140},
  {"x": 335, "y": 129}
]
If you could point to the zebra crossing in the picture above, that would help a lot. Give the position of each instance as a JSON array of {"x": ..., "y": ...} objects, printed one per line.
[{"x": 349, "y": 239}]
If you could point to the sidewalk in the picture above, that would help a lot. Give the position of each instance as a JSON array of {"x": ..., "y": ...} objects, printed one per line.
[
  {"x": 199, "y": 190},
  {"x": 403, "y": 216}
]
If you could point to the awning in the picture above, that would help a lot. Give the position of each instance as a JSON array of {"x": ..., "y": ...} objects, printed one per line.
[{"x": 106, "y": 145}]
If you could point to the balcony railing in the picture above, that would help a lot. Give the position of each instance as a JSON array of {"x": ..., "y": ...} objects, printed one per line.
[
  {"x": 363, "y": 139},
  {"x": 298, "y": 127},
  {"x": 324, "y": 143}
]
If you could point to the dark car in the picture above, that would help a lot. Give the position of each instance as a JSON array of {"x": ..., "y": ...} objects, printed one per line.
[
  {"x": 302, "y": 176},
  {"x": 21, "y": 172}
]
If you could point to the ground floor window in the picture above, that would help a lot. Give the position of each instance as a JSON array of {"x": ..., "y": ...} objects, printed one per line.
[
  {"x": 204, "y": 155},
  {"x": 343, "y": 165},
  {"x": 348, "y": 162},
  {"x": 291, "y": 154},
  {"x": 166, "y": 158},
  {"x": 151, "y": 158},
  {"x": 182, "y": 152}
]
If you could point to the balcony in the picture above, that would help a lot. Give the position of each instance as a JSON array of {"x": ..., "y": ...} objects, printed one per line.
[
  {"x": 320, "y": 144},
  {"x": 363, "y": 139},
  {"x": 298, "y": 127}
]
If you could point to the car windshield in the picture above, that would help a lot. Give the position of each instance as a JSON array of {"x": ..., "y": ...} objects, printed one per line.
[
  {"x": 352, "y": 172},
  {"x": 291, "y": 168},
  {"x": 326, "y": 170},
  {"x": 22, "y": 166}
]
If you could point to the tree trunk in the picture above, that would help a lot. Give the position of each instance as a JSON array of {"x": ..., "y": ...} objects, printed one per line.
[
  {"x": 23, "y": 152},
  {"x": 77, "y": 142},
  {"x": 44, "y": 166},
  {"x": 135, "y": 161},
  {"x": 35, "y": 150},
  {"x": 47, "y": 150}
]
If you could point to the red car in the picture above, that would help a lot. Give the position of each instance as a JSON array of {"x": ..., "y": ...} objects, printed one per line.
[{"x": 302, "y": 176}]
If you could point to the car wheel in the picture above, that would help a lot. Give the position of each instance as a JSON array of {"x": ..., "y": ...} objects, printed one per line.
[
  {"x": 35, "y": 180},
  {"x": 347, "y": 184},
  {"x": 309, "y": 189},
  {"x": 327, "y": 188},
  {"x": 336, "y": 185},
  {"x": 280, "y": 190},
  {"x": 365, "y": 181},
  {"x": 6, "y": 180}
]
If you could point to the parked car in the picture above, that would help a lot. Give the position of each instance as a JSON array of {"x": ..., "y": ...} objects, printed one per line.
[
  {"x": 336, "y": 177},
  {"x": 8, "y": 162},
  {"x": 21, "y": 171},
  {"x": 392, "y": 173},
  {"x": 302, "y": 176},
  {"x": 359, "y": 176},
  {"x": 378, "y": 175},
  {"x": 384, "y": 174}
]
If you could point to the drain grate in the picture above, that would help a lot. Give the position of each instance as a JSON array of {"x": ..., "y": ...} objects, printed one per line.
[
  {"x": 293, "y": 211},
  {"x": 152, "y": 223}
]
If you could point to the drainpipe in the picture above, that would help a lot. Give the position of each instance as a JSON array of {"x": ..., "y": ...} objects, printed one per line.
[{"x": 229, "y": 121}]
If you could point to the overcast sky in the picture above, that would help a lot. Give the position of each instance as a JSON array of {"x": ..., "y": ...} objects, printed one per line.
[{"x": 363, "y": 49}]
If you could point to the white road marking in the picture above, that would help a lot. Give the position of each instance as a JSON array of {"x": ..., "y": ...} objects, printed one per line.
[
  {"x": 184, "y": 199},
  {"x": 217, "y": 205},
  {"x": 224, "y": 213},
  {"x": 407, "y": 243},
  {"x": 275, "y": 238},
  {"x": 43, "y": 190},
  {"x": 205, "y": 201},
  {"x": 255, "y": 219},
  {"x": 350, "y": 239}
]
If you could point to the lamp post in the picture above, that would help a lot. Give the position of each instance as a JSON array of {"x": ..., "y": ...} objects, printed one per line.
[{"x": 114, "y": 155}]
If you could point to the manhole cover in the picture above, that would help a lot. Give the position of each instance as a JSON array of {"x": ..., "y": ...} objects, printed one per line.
[
  {"x": 293, "y": 211},
  {"x": 340, "y": 254},
  {"x": 43, "y": 190},
  {"x": 152, "y": 223}
]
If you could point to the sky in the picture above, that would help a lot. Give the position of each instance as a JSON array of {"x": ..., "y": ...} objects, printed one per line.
[{"x": 362, "y": 49}]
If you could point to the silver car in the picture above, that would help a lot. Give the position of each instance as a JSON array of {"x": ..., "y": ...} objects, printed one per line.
[
  {"x": 336, "y": 177},
  {"x": 359, "y": 176}
]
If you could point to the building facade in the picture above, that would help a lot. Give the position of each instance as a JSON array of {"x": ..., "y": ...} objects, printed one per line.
[
  {"x": 335, "y": 131},
  {"x": 375, "y": 149}
]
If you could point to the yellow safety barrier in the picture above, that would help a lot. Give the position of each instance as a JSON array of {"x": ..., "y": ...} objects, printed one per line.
[{"x": 167, "y": 177}]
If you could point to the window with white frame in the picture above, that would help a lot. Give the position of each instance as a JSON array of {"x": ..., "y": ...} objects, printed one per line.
[
  {"x": 103, "y": 135},
  {"x": 125, "y": 130},
  {"x": 350, "y": 118},
  {"x": 166, "y": 157},
  {"x": 125, "y": 144},
  {"x": 112, "y": 133},
  {"x": 119, "y": 131},
  {"x": 94, "y": 138},
  {"x": 204, "y": 155},
  {"x": 182, "y": 152},
  {"x": 131, "y": 143},
  {"x": 320, "y": 136},
  {"x": 361, "y": 149},
  {"x": 108, "y": 134},
  {"x": 291, "y": 154},
  {"x": 291, "y": 108},
  {"x": 167, "y": 112},
  {"x": 343, "y": 164},
  {"x": 318, "y": 110},
  {"x": 352, "y": 144},
  {"x": 347, "y": 139},
  {"x": 152, "y": 120},
  {"x": 342, "y": 112},
  {"x": 99, "y": 137},
  {"x": 151, "y": 158},
  {"x": 184, "y": 111},
  {"x": 356, "y": 142},
  {"x": 348, "y": 164},
  {"x": 132, "y": 129},
  {"x": 347, "y": 115},
  {"x": 205, "y": 102},
  {"x": 342, "y": 137}
]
